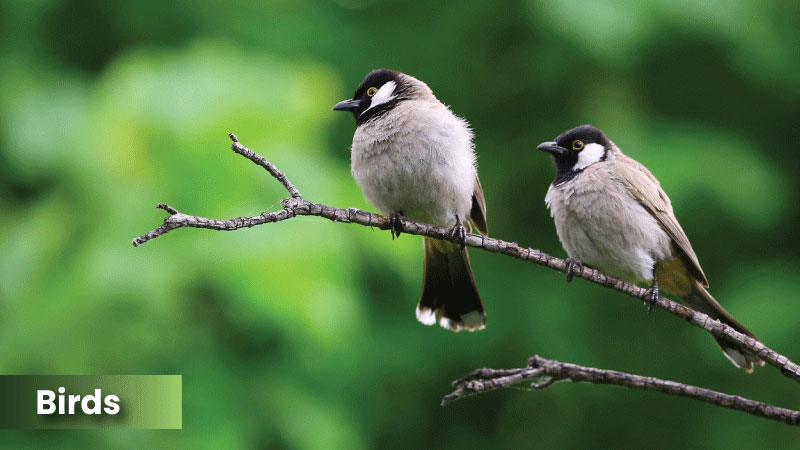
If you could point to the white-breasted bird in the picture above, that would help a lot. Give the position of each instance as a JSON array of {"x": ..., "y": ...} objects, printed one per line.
[
  {"x": 611, "y": 214},
  {"x": 413, "y": 158}
]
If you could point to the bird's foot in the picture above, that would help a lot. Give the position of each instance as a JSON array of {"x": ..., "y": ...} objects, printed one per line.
[
  {"x": 571, "y": 263},
  {"x": 459, "y": 233},
  {"x": 396, "y": 224},
  {"x": 651, "y": 297}
]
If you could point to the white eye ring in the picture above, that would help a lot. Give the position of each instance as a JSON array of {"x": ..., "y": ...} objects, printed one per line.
[{"x": 372, "y": 91}]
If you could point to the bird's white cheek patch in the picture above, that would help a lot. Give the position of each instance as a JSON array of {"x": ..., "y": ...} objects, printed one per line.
[
  {"x": 591, "y": 154},
  {"x": 383, "y": 95}
]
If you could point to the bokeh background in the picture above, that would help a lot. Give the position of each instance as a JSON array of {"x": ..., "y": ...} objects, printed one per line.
[{"x": 302, "y": 334}]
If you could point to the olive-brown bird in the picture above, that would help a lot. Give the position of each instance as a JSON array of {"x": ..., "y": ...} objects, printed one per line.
[{"x": 611, "y": 214}]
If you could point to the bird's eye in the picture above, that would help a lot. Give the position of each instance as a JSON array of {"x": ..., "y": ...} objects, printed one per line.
[
  {"x": 577, "y": 145},
  {"x": 372, "y": 91}
]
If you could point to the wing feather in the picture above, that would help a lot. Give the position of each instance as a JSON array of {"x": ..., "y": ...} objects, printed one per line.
[
  {"x": 478, "y": 213},
  {"x": 646, "y": 189}
]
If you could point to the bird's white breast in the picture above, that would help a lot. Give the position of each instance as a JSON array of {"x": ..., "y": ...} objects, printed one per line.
[
  {"x": 600, "y": 224},
  {"x": 416, "y": 159}
]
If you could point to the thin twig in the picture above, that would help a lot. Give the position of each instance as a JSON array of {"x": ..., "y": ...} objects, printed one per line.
[
  {"x": 261, "y": 161},
  {"x": 484, "y": 380}
]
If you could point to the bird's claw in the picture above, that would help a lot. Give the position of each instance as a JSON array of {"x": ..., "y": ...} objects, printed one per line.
[
  {"x": 395, "y": 224},
  {"x": 571, "y": 263},
  {"x": 651, "y": 297},
  {"x": 459, "y": 233}
]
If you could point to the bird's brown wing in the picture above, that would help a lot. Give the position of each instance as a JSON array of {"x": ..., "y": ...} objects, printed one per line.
[
  {"x": 646, "y": 189},
  {"x": 478, "y": 213}
]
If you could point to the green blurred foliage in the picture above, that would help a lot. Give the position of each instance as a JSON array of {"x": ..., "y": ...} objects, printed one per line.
[{"x": 302, "y": 334}]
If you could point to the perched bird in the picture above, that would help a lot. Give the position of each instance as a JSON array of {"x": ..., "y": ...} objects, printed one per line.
[
  {"x": 413, "y": 158},
  {"x": 611, "y": 214}
]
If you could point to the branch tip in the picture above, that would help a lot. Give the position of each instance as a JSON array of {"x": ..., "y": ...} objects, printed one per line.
[
  {"x": 543, "y": 384},
  {"x": 167, "y": 208}
]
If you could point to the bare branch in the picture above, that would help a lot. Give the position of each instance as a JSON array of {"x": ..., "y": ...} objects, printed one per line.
[
  {"x": 550, "y": 371},
  {"x": 180, "y": 220},
  {"x": 261, "y": 161},
  {"x": 295, "y": 205}
]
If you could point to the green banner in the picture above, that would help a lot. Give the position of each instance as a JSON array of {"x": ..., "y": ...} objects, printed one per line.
[{"x": 91, "y": 401}]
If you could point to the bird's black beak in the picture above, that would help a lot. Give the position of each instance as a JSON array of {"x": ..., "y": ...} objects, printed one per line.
[
  {"x": 553, "y": 148},
  {"x": 347, "y": 105}
]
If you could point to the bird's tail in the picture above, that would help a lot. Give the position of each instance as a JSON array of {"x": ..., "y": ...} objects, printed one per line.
[
  {"x": 701, "y": 300},
  {"x": 448, "y": 289}
]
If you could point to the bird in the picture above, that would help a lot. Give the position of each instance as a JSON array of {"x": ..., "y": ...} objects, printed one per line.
[
  {"x": 611, "y": 214},
  {"x": 414, "y": 159}
]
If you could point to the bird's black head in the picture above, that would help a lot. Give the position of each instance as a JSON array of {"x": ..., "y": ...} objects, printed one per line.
[
  {"x": 380, "y": 91},
  {"x": 576, "y": 149}
]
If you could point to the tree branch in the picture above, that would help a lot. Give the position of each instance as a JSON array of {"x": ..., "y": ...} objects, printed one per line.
[
  {"x": 296, "y": 205},
  {"x": 261, "y": 161},
  {"x": 550, "y": 372}
]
